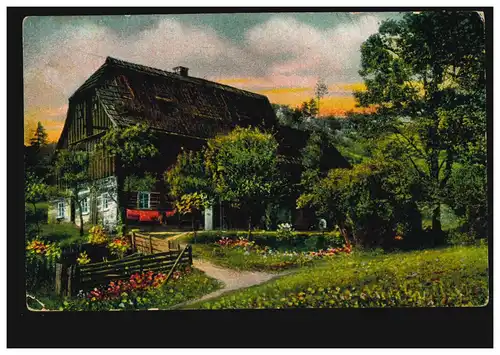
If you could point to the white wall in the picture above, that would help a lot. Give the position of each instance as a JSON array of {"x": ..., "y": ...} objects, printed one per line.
[{"x": 107, "y": 217}]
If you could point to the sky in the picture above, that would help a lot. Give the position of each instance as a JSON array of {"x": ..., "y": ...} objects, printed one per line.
[{"x": 280, "y": 55}]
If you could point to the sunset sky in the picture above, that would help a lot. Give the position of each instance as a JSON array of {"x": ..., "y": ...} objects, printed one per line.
[{"x": 278, "y": 55}]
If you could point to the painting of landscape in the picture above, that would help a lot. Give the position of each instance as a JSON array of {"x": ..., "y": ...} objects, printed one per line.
[{"x": 256, "y": 161}]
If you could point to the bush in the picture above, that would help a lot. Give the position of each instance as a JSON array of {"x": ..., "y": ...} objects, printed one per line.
[
  {"x": 457, "y": 237},
  {"x": 285, "y": 232},
  {"x": 97, "y": 235},
  {"x": 301, "y": 240}
]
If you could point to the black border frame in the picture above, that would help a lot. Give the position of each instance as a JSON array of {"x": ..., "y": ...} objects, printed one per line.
[{"x": 364, "y": 328}]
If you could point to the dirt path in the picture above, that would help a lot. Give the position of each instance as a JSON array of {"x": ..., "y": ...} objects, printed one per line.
[{"x": 232, "y": 279}]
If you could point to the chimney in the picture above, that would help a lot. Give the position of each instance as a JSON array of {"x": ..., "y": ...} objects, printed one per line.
[{"x": 182, "y": 71}]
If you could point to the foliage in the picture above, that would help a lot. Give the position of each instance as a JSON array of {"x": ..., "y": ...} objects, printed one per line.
[
  {"x": 369, "y": 202},
  {"x": 97, "y": 235},
  {"x": 37, "y": 248},
  {"x": 188, "y": 175},
  {"x": 192, "y": 202},
  {"x": 285, "y": 232},
  {"x": 456, "y": 237},
  {"x": 453, "y": 277},
  {"x": 41, "y": 257},
  {"x": 138, "y": 183},
  {"x": 39, "y": 138},
  {"x": 301, "y": 241},
  {"x": 243, "y": 254},
  {"x": 425, "y": 76},
  {"x": 467, "y": 194},
  {"x": 72, "y": 168},
  {"x": 147, "y": 293},
  {"x": 119, "y": 247},
  {"x": 35, "y": 191},
  {"x": 243, "y": 166},
  {"x": 131, "y": 144},
  {"x": 83, "y": 258}
]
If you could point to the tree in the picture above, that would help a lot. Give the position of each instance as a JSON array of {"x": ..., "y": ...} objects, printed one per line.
[
  {"x": 189, "y": 184},
  {"x": 72, "y": 168},
  {"x": 243, "y": 166},
  {"x": 309, "y": 109},
  {"x": 320, "y": 90},
  {"x": 39, "y": 138},
  {"x": 188, "y": 175},
  {"x": 35, "y": 190},
  {"x": 425, "y": 77},
  {"x": 371, "y": 203},
  {"x": 37, "y": 154}
]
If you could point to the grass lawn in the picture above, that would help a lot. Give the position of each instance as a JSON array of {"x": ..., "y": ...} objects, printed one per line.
[
  {"x": 189, "y": 286},
  {"x": 454, "y": 276},
  {"x": 63, "y": 233}
]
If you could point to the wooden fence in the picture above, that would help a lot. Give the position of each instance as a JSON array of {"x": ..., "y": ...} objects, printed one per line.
[
  {"x": 71, "y": 279},
  {"x": 148, "y": 244}
]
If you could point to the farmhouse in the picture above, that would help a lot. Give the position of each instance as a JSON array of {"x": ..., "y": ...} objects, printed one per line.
[{"x": 183, "y": 111}]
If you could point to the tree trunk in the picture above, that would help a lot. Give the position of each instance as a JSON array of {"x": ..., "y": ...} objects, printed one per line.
[
  {"x": 80, "y": 213},
  {"x": 249, "y": 225},
  {"x": 436, "y": 219},
  {"x": 36, "y": 219}
]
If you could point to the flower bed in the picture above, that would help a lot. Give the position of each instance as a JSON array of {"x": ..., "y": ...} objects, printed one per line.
[
  {"x": 243, "y": 254},
  {"x": 144, "y": 291}
]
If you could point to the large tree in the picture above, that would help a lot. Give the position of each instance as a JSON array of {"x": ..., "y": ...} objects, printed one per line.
[
  {"x": 189, "y": 184},
  {"x": 425, "y": 77},
  {"x": 243, "y": 166}
]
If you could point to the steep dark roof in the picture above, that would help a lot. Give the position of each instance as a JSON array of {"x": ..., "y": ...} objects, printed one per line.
[{"x": 174, "y": 103}]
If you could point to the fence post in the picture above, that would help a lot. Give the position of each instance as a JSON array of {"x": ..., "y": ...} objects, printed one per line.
[
  {"x": 150, "y": 245},
  {"x": 132, "y": 237},
  {"x": 70, "y": 274},
  {"x": 190, "y": 253},
  {"x": 59, "y": 279}
]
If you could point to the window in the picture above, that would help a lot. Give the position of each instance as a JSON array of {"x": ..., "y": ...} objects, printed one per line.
[
  {"x": 60, "y": 210},
  {"x": 85, "y": 205},
  {"x": 102, "y": 202},
  {"x": 143, "y": 199}
]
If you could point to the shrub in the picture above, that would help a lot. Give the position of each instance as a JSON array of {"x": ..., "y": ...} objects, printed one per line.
[
  {"x": 40, "y": 263},
  {"x": 301, "y": 239},
  {"x": 97, "y": 235},
  {"x": 83, "y": 259},
  {"x": 456, "y": 237},
  {"x": 285, "y": 232},
  {"x": 119, "y": 247}
]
